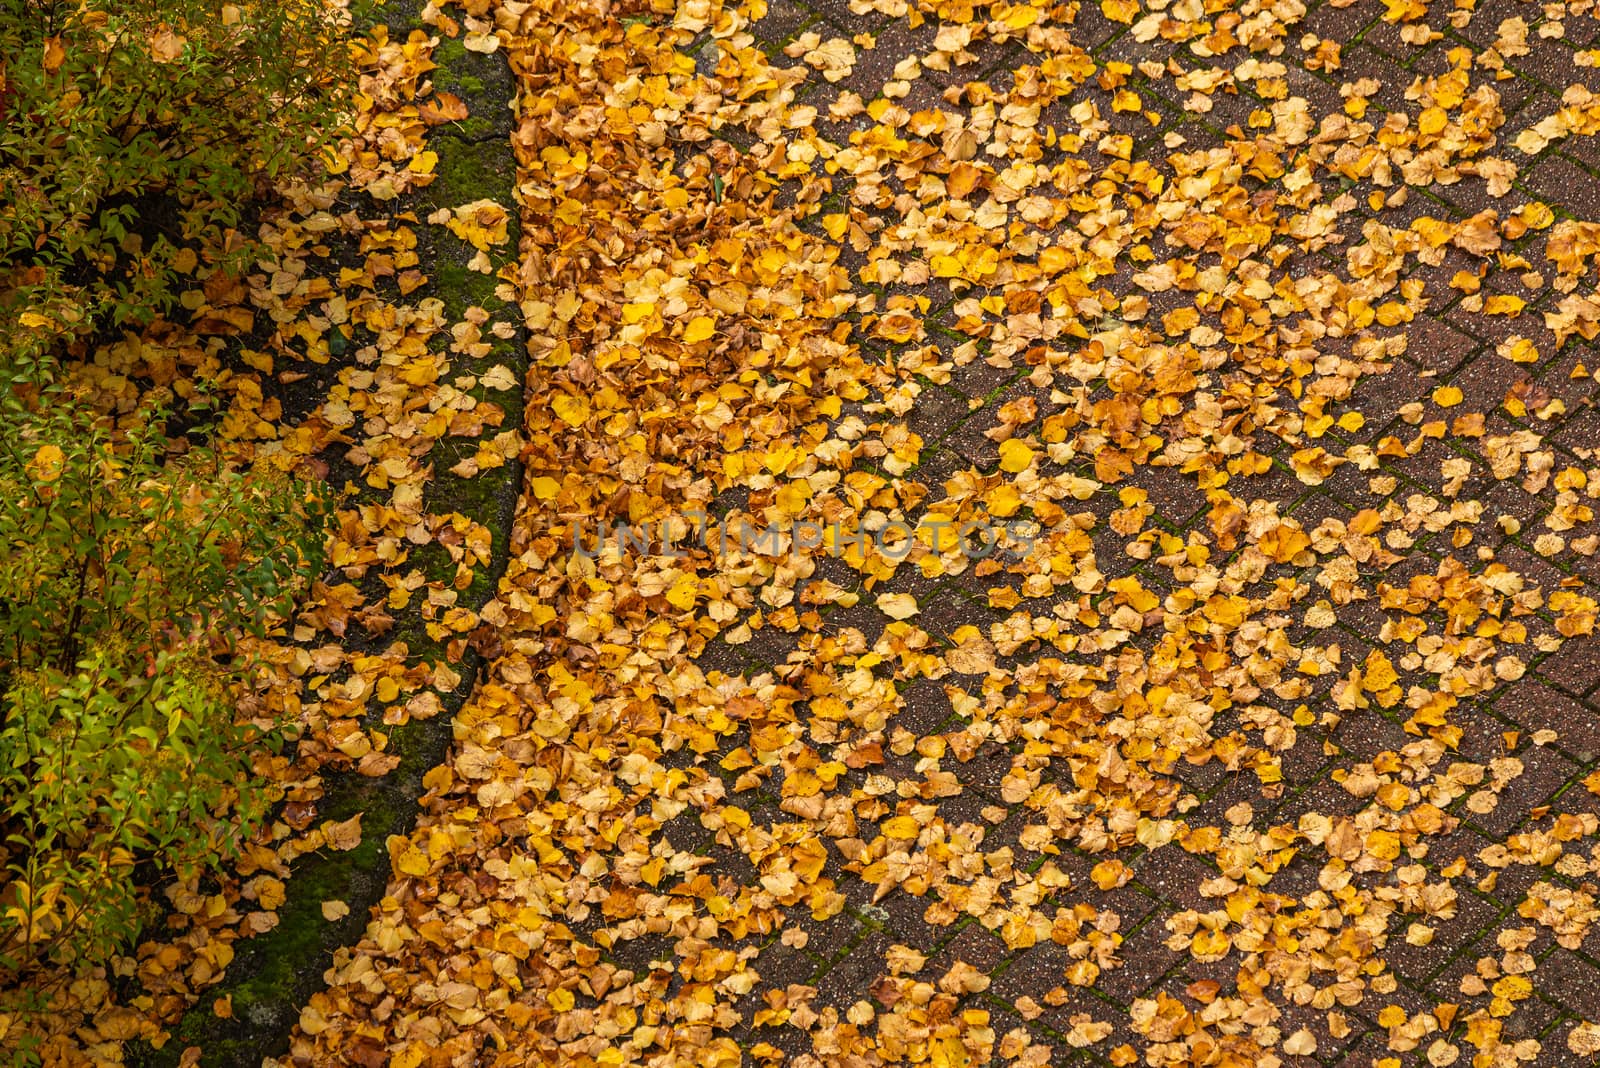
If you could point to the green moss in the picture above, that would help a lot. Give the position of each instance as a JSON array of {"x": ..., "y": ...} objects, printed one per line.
[
  {"x": 275, "y": 973},
  {"x": 449, "y": 54},
  {"x": 470, "y": 75},
  {"x": 269, "y": 977},
  {"x": 469, "y": 171},
  {"x": 467, "y": 287},
  {"x": 473, "y": 169}
]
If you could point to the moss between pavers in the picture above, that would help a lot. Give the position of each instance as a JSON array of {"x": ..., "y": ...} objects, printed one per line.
[
  {"x": 274, "y": 974},
  {"x": 482, "y": 78}
]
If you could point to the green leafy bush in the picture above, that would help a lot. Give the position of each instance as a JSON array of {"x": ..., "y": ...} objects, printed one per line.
[
  {"x": 134, "y": 138},
  {"x": 130, "y": 584},
  {"x": 133, "y": 135}
]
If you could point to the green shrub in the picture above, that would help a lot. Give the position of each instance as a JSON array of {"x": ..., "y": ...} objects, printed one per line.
[
  {"x": 133, "y": 135},
  {"x": 129, "y": 586}
]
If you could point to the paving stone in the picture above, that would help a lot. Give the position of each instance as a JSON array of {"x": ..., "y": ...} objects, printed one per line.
[
  {"x": 907, "y": 922},
  {"x": 1571, "y": 981},
  {"x": 845, "y": 21},
  {"x": 1418, "y": 964},
  {"x": 780, "y": 25},
  {"x": 937, "y": 412},
  {"x": 1534, "y": 707},
  {"x": 1511, "y": 885},
  {"x": 1369, "y": 1050},
  {"x": 1436, "y": 345},
  {"x": 1545, "y": 772},
  {"x": 1443, "y": 345},
  {"x": 1145, "y": 959},
  {"x": 1174, "y": 875},
  {"x": 1560, "y": 181},
  {"x": 850, "y": 973}
]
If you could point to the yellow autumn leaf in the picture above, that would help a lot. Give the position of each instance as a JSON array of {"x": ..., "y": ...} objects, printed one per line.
[
  {"x": 1300, "y": 1044},
  {"x": 420, "y": 372},
  {"x": 1081, "y": 488},
  {"x": 1110, "y": 874},
  {"x": 1512, "y": 987},
  {"x": 1377, "y": 672},
  {"x": 1210, "y": 945},
  {"x": 343, "y": 834},
  {"x": 47, "y": 464},
  {"x": 699, "y": 328},
  {"x": 1021, "y": 17},
  {"x": 1003, "y": 501},
  {"x": 571, "y": 410},
  {"x": 54, "y": 54},
  {"x": 792, "y": 497},
  {"x": 165, "y": 45},
  {"x": 482, "y": 224},
  {"x": 1014, "y": 456},
  {"x": 1122, "y": 11},
  {"x": 1384, "y": 845},
  {"x": 682, "y": 593},
  {"x": 901, "y": 827},
  {"x": 1283, "y": 543},
  {"x": 1432, "y": 120},
  {"x": 270, "y": 892},
  {"x": 897, "y": 605},
  {"x": 313, "y": 1021},
  {"x": 1519, "y": 350},
  {"x": 949, "y": 1053},
  {"x": 408, "y": 860}
]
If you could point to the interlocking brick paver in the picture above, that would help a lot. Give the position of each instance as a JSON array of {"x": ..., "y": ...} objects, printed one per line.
[
  {"x": 1435, "y": 345},
  {"x": 1561, "y": 181},
  {"x": 1447, "y": 341},
  {"x": 1574, "y": 983},
  {"x": 1145, "y": 959},
  {"x": 1536, "y": 707}
]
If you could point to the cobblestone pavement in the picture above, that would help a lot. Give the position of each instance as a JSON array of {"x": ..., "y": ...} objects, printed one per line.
[{"x": 1439, "y": 969}]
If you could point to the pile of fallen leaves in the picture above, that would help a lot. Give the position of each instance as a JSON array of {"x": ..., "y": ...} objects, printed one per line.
[
  {"x": 1276, "y": 568},
  {"x": 742, "y": 276},
  {"x": 730, "y": 273}
]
